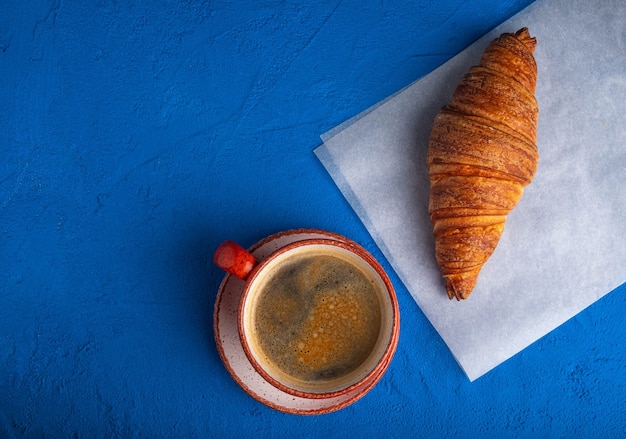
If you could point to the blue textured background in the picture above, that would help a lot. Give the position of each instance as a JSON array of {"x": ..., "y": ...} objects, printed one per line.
[{"x": 135, "y": 136}]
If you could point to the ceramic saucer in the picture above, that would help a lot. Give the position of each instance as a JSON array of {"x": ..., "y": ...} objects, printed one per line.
[{"x": 236, "y": 361}]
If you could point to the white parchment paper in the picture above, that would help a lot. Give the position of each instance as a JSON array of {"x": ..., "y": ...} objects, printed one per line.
[{"x": 564, "y": 245}]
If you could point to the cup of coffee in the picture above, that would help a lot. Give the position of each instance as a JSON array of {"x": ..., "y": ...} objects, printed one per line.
[{"x": 317, "y": 318}]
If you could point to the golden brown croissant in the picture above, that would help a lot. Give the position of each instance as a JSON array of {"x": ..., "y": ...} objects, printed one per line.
[{"x": 481, "y": 155}]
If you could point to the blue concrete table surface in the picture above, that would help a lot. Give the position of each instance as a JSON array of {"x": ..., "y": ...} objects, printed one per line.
[{"x": 135, "y": 136}]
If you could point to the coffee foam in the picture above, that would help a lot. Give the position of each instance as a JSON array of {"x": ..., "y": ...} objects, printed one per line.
[{"x": 326, "y": 325}]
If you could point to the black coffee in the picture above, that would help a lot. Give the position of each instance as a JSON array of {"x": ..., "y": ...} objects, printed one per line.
[{"x": 317, "y": 317}]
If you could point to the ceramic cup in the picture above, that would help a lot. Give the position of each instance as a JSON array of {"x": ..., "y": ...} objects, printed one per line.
[{"x": 317, "y": 318}]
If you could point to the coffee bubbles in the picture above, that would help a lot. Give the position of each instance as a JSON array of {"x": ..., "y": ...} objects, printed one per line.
[{"x": 317, "y": 317}]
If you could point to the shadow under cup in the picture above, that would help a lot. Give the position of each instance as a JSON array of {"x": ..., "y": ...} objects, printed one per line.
[{"x": 319, "y": 318}]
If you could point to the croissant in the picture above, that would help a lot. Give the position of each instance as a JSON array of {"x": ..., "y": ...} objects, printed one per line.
[{"x": 481, "y": 155}]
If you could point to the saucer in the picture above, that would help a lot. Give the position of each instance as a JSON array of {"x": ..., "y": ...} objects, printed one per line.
[{"x": 234, "y": 357}]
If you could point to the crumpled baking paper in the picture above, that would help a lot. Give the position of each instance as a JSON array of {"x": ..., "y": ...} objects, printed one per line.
[{"x": 564, "y": 245}]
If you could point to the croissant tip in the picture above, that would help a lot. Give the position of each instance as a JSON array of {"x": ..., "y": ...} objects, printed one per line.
[
  {"x": 523, "y": 32},
  {"x": 455, "y": 293},
  {"x": 523, "y": 35}
]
